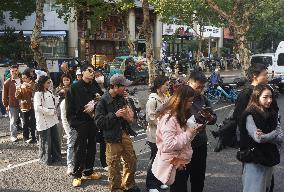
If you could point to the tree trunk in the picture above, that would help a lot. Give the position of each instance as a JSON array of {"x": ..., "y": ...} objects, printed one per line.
[
  {"x": 130, "y": 43},
  {"x": 242, "y": 48},
  {"x": 147, "y": 29},
  {"x": 36, "y": 35}
]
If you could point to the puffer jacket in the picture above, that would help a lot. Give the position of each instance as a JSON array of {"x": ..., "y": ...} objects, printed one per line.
[{"x": 153, "y": 103}]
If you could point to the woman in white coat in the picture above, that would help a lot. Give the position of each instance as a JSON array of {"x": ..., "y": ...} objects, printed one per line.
[
  {"x": 156, "y": 99},
  {"x": 46, "y": 122}
]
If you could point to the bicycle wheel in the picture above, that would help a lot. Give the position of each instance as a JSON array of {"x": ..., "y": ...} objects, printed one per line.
[
  {"x": 233, "y": 96},
  {"x": 214, "y": 96}
]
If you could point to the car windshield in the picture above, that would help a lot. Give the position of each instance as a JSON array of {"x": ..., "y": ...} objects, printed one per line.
[
  {"x": 280, "y": 61},
  {"x": 266, "y": 60}
]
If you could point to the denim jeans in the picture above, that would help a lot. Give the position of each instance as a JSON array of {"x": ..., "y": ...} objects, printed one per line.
[
  {"x": 2, "y": 107},
  {"x": 71, "y": 138},
  {"x": 49, "y": 148},
  {"x": 14, "y": 113},
  {"x": 256, "y": 177}
]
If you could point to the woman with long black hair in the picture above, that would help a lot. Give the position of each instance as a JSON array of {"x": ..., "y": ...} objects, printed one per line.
[
  {"x": 46, "y": 122},
  {"x": 260, "y": 133}
]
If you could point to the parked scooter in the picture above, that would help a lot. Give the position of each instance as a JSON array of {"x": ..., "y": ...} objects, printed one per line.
[{"x": 139, "y": 114}]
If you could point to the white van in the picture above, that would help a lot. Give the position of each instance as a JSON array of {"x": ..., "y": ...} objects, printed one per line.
[
  {"x": 268, "y": 59},
  {"x": 273, "y": 61}
]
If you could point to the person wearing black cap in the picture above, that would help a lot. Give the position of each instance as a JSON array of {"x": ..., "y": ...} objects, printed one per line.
[
  {"x": 113, "y": 116},
  {"x": 79, "y": 107}
]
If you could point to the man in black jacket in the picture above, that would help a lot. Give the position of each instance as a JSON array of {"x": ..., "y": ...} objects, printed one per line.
[
  {"x": 197, "y": 167},
  {"x": 79, "y": 109},
  {"x": 257, "y": 74},
  {"x": 113, "y": 116}
]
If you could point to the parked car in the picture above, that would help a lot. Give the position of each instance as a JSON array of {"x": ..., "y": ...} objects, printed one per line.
[{"x": 274, "y": 63}]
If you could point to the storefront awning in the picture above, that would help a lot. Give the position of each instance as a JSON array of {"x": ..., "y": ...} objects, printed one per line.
[{"x": 43, "y": 33}]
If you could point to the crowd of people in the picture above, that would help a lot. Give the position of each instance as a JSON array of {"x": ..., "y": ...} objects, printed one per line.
[{"x": 88, "y": 111}]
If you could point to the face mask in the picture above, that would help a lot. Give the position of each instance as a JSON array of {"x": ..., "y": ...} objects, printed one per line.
[{"x": 100, "y": 79}]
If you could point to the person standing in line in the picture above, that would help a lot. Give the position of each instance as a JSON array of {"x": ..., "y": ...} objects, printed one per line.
[
  {"x": 197, "y": 167},
  {"x": 257, "y": 74},
  {"x": 260, "y": 134},
  {"x": 60, "y": 91},
  {"x": 156, "y": 99},
  {"x": 2, "y": 107},
  {"x": 100, "y": 137},
  {"x": 113, "y": 116},
  {"x": 175, "y": 132},
  {"x": 80, "y": 104},
  {"x": 71, "y": 138},
  {"x": 78, "y": 76},
  {"x": 46, "y": 122},
  {"x": 9, "y": 100},
  {"x": 24, "y": 94}
]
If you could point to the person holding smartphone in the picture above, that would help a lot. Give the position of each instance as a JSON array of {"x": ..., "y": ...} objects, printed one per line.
[
  {"x": 197, "y": 167},
  {"x": 80, "y": 104},
  {"x": 174, "y": 135},
  {"x": 113, "y": 116}
]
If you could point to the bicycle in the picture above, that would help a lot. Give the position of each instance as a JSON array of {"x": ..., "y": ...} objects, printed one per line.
[{"x": 221, "y": 92}]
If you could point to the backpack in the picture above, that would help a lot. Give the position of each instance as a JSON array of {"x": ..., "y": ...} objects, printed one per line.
[{"x": 156, "y": 106}]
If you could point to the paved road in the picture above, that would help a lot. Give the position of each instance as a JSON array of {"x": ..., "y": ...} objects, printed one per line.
[{"x": 20, "y": 170}]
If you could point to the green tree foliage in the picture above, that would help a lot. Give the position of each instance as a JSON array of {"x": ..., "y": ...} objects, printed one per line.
[
  {"x": 186, "y": 12},
  {"x": 96, "y": 10},
  {"x": 18, "y": 9},
  {"x": 9, "y": 45},
  {"x": 268, "y": 26}
]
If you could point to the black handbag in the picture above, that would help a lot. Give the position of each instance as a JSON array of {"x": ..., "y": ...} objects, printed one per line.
[{"x": 246, "y": 155}]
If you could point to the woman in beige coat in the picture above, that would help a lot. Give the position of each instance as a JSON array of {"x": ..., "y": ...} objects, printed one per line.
[{"x": 156, "y": 99}]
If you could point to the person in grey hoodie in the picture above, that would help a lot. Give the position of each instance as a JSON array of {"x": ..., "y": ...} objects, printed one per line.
[{"x": 156, "y": 99}]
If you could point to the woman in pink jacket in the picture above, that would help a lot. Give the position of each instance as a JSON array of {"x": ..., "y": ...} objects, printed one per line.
[{"x": 174, "y": 136}]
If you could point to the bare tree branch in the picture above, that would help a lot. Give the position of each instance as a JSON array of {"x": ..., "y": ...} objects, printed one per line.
[{"x": 236, "y": 6}]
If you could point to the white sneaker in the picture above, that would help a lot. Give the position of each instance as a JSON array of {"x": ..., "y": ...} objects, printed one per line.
[
  {"x": 164, "y": 187},
  {"x": 69, "y": 170},
  {"x": 29, "y": 140},
  {"x": 14, "y": 139},
  {"x": 153, "y": 190}
]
